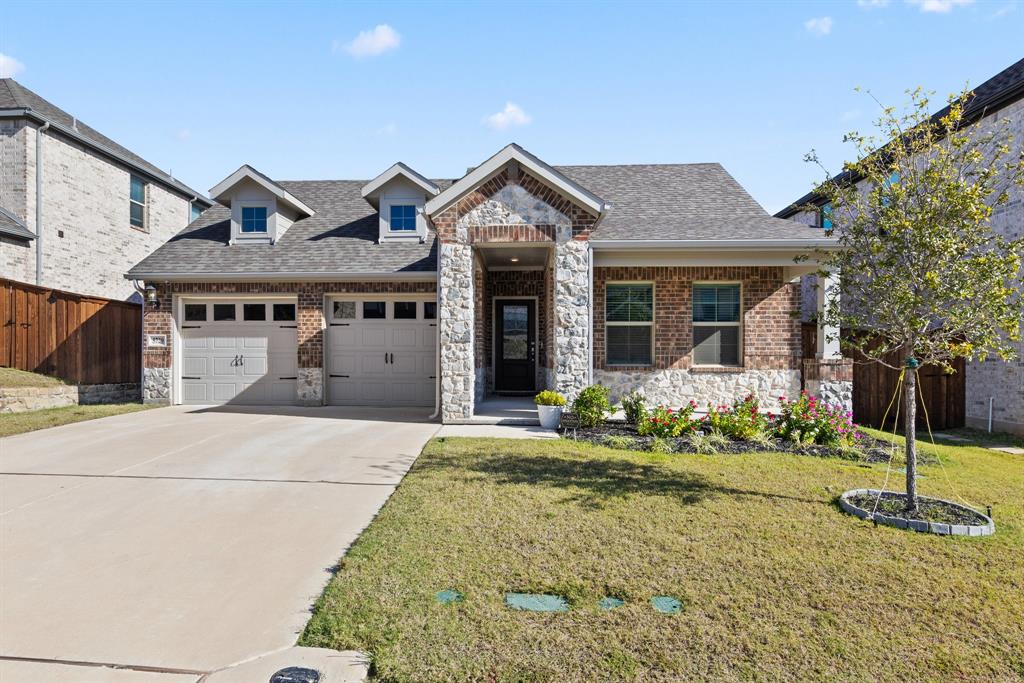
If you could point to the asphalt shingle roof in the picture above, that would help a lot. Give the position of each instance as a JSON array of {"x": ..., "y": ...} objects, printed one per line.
[
  {"x": 11, "y": 226},
  {"x": 14, "y": 95},
  {"x": 663, "y": 202}
]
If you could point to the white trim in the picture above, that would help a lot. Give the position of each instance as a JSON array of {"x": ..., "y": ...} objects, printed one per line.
[
  {"x": 494, "y": 337},
  {"x": 696, "y": 258},
  {"x": 248, "y": 172},
  {"x": 514, "y": 152},
  {"x": 652, "y": 324},
  {"x": 399, "y": 169},
  {"x": 737, "y": 244},
  {"x": 741, "y": 324}
]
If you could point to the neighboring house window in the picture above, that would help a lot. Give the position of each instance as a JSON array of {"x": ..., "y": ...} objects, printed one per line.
[
  {"x": 196, "y": 210},
  {"x": 254, "y": 219},
  {"x": 716, "y": 325},
  {"x": 137, "y": 203},
  {"x": 825, "y": 219},
  {"x": 403, "y": 217},
  {"x": 629, "y": 324}
]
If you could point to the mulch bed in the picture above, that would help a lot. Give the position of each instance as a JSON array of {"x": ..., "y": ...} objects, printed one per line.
[
  {"x": 614, "y": 434},
  {"x": 928, "y": 509}
]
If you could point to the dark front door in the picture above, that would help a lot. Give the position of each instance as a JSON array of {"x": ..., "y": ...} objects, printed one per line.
[{"x": 515, "y": 345}]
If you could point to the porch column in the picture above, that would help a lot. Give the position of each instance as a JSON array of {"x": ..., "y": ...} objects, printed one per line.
[
  {"x": 828, "y": 375},
  {"x": 573, "y": 326},
  {"x": 455, "y": 327}
]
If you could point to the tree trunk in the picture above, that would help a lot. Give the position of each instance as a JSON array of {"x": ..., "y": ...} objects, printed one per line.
[{"x": 910, "y": 431}]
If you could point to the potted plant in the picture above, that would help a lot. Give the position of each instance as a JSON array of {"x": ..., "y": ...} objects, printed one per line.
[{"x": 550, "y": 405}]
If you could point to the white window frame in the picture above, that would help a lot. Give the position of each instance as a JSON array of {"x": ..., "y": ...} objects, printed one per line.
[
  {"x": 738, "y": 323},
  {"x": 241, "y": 220},
  {"x": 389, "y": 300},
  {"x": 651, "y": 324},
  {"x": 144, "y": 203}
]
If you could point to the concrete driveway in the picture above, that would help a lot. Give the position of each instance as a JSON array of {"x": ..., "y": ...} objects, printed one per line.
[{"x": 183, "y": 539}]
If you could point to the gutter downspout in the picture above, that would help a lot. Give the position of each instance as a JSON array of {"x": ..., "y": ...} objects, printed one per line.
[
  {"x": 590, "y": 314},
  {"x": 39, "y": 202}
]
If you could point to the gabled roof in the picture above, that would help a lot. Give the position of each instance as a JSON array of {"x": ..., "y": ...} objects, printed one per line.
[
  {"x": 371, "y": 189},
  {"x": 220, "y": 191},
  {"x": 1003, "y": 89},
  {"x": 12, "y": 226},
  {"x": 17, "y": 100},
  {"x": 542, "y": 171}
]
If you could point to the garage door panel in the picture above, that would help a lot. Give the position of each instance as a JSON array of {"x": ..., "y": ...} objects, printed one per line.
[
  {"x": 342, "y": 364},
  {"x": 405, "y": 364},
  {"x": 283, "y": 364},
  {"x": 195, "y": 366},
  {"x": 254, "y": 342},
  {"x": 404, "y": 337},
  {"x": 374, "y": 336},
  {"x": 342, "y": 336},
  {"x": 254, "y": 366},
  {"x": 222, "y": 366},
  {"x": 195, "y": 391},
  {"x": 220, "y": 342},
  {"x": 372, "y": 363},
  {"x": 192, "y": 342},
  {"x": 223, "y": 391},
  {"x": 283, "y": 392}
]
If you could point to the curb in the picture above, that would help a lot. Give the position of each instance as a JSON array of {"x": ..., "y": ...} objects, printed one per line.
[{"x": 986, "y": 529}]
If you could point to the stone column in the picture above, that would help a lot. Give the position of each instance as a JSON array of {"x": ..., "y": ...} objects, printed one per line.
[
  {"x": 828, "y": 335},
  {"x": 572, "y": 322},
  {"x": 828, "y": 375},
  {"x": 455, "y": 326},
  {"x": 156, "y": 374},
  {"x": 309, "y": 383}
]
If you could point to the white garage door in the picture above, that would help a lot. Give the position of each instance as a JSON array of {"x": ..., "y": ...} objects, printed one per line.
[
  {"x": 239, "y": 352},
  {"x": 381, "y": 352}
]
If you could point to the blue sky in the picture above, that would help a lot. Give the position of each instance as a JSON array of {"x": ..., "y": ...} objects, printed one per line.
[{"x": 295, "y": 91}]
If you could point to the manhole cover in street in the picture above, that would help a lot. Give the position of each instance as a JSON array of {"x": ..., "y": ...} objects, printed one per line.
[{"x": 296, "y": 674}]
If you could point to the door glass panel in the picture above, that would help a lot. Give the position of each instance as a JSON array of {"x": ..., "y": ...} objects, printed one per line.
[
  {"x": 254, "y": 311},
  {"x": 405, "y": 310},
  {"x": 223, "y": 311},
  {"x": 515, "y": 321},
  {"x": 195, "y": 313},
  {"x": 430, "y": 310},
  {"x": 284, "y": 312},
  {"x": 374, "y": 310},
  {"x": 344, "y": 310}
]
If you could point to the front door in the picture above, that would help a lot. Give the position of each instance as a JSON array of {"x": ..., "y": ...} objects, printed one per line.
[{"x": 515, "y": 345}]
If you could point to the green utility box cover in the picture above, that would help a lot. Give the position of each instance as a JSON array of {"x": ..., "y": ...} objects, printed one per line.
[{"x": 536, "y": 602}]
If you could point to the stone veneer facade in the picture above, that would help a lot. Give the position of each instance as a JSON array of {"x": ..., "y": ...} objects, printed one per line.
[
  {"x": 88, "y": 243},
  {"x": 771, "y": 337},
  {"x": 310, "y": 326}
]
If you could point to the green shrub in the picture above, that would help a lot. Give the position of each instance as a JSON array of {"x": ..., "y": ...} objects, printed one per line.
[
  {"x": 659, "y": 445},
  {"x": 702, "y": 443},
  {"x": 549, "y": 398},
  {"x": 807, "y": 421},
  {"x": 626, "y": 443},
  {"x": 634, "y": 407},
  {"x": 665, "y": 422},
  {"x": 591, "y": 406},
  {"x": 743, "y": 420}
]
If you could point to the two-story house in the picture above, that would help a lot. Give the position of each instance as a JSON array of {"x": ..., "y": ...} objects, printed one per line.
[
  {"x": 76, "y": 208},
  {"x": 994, "y": 387}
]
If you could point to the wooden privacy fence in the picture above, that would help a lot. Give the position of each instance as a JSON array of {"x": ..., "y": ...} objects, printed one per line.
[
  {"x": 81, "y": 339},
  {"x": 944, "y": 393}
]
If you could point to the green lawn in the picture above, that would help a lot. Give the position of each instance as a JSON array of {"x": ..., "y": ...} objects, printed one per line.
[
  {"x": 11, "y": 378},
  {"x": 29, "y": 421},
  {"x": 777, "y": 583}
]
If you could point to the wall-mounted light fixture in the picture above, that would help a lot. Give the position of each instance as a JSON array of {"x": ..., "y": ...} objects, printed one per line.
[{"x": 151, "y": 298}]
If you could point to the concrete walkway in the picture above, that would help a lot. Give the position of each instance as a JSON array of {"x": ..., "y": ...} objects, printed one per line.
[{"x": 181, "y": 541}]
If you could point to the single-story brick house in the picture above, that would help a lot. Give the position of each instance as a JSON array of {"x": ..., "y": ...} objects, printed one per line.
[{"x": 519, "y": 276}]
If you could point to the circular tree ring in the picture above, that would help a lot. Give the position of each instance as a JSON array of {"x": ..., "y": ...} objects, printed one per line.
[{"x": 984, "y": 526}]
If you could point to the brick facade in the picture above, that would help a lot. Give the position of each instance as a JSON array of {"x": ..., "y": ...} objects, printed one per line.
[
  {"x": 771, "y": 335},
  {"x": 88, "y": 243},
  {"x": 530, "y": 284}
]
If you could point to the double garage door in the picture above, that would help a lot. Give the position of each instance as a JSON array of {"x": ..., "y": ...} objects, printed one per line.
[
  {"x": 381, "y": 351},
  {"x": 377, "y": 351}
]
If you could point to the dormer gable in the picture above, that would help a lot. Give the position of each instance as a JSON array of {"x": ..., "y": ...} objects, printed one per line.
[
  {"x": 399, "y": 194},
  {"x": 261, "y": 210}
]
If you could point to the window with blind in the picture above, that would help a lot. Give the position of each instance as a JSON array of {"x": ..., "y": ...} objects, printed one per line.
[
  {"x": 629, "y": 324},
  {"x": 717, "y": 331}
]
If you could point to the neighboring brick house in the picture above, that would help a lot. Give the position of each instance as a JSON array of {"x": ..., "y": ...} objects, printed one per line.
[
  {"x": 993, "y": 381},
  {"x": 89, "y": 212},
  {"x": 517, "y": 277}
]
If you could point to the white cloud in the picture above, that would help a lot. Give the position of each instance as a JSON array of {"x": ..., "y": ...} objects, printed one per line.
[
  {"x": 819, "y": 26},
  {"x": 382, "y": 38},
  {"x": 184, "y": 134},
  {"x": 939, "y": 6},
  {"x": 1004, "y": 10},
  {"x": 511, "y": 115},
  {"x": 387, "y": 129},
  {"x": 872, "y": 4},
  {"x": 9, "y": 66}
]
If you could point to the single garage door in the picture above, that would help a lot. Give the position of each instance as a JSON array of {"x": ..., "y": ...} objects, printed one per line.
[
  {"x": 381, "y": 351},
  {"x": 239, "y": 352}
]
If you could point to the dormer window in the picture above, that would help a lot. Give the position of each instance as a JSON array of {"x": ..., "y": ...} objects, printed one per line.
[
  {"x": 254, "y": 219},
  {"x": 403, "y": 217}
]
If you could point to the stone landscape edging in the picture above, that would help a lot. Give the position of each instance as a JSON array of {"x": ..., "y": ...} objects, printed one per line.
[
  {"x": 23, "y": 399},
  {"x": 986, "y": 529}
]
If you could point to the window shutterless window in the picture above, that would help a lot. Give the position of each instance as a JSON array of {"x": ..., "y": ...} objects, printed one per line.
[
  {"x": 405, "y": 310},
  {"x": 344, "y": 310},
  {"x": 429, "y": 310},
  {"x": 254, "y": 219},
  {"x": 137, "y": 203},
  {"x": 284, "y": 312},
  {"x": 374, "y": 310},
  {"x": 825, "y": 217},
  {"x": 629, "y": 324},
  {"x": 195, "y": 313},
  {"x": 223, "y": 311},
  {"x": 195, "y": 210},
  {"x": 254, "y": 311},
  {"x": 716, "y": 325},
  {"x": 403, "y": 217}
]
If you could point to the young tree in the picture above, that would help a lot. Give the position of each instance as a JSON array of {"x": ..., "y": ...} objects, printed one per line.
[{"x": 921, "y": 270}]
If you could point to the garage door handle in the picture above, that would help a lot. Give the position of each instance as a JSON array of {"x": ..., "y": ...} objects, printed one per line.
[
  {"x": 287, "y": 377},
  {"x": 190, "y": 327},
  {"x": 340, "y": 324},
  {"x": 345, "y": 376},
  {"x": 287, "y": 326},
  {"x": 183, "y": 377}
]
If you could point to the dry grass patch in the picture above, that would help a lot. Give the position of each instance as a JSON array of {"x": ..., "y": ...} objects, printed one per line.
[
  {"x": 30, "y": 421},
  {"x": 776, "y": 582},
  {"x": 10, "y": 378}
]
